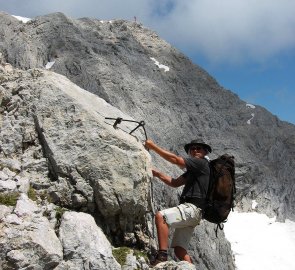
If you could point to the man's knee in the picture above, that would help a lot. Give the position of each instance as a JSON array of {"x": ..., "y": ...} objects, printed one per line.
[{"x": 159, "y": 217}]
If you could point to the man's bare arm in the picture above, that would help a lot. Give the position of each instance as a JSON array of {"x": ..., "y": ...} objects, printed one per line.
[
  {"x": 169, "y": 156},
  {"x": 172, "y": 182}
]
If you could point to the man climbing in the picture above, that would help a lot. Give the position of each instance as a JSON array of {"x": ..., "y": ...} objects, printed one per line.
[{"x": 187, "y": 215}]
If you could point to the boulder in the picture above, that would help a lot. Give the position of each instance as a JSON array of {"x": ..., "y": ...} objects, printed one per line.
[
  {"x": 84, "y": 244},
  {"x": 27, "y": 239}
]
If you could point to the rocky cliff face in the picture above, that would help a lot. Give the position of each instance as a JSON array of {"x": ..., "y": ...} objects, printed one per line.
[
  {"x": 57, "y": 149},
  {"x": 69, "y": 151}
]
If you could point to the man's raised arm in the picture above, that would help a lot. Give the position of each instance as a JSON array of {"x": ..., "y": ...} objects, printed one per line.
[{"x": 169, "y": 156}]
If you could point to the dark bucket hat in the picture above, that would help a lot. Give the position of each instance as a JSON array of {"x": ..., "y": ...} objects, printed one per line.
[{"x": 198, "y": 142}]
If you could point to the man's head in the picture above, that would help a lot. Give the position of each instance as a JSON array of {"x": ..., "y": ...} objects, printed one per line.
[{"x": 197, "y": 148}]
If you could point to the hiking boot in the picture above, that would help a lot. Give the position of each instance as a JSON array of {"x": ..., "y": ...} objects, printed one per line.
[{"x": 161, "y": 256}]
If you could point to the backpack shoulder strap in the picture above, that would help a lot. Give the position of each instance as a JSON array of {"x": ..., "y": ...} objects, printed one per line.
[{"x": 219, "y": 226}]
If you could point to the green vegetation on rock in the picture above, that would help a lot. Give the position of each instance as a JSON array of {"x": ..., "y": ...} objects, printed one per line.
[
  {"x": 120, "y": 254},
  {"x": 9, "y": 199}
]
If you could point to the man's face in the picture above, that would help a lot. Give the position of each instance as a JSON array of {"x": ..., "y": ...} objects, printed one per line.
[{"x": 197, "y": 151}]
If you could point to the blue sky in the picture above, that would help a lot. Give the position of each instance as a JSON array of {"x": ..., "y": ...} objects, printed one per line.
[
  {"x": 270, "y": 86},
  {"x": 248, "y": 46}
]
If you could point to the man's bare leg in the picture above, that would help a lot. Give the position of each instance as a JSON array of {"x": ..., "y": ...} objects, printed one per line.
[{"x": 162, "y": 231}]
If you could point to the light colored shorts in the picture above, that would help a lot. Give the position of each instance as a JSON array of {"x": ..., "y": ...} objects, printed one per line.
[{"x": 183, "y": 218}]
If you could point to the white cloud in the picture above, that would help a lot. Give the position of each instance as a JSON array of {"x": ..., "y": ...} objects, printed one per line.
[{"x": 230, "y": 29}]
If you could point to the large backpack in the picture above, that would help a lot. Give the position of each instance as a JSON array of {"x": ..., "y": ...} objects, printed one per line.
[{"x": 221, "y": 191}]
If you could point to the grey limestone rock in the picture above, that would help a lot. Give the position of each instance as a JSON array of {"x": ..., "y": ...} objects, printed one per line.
[
  {"x": 84, "y": 244},
  {"x": 27, "y": 239},
  {"x": 171, "y": 265},
  {"x": 58, "y": 147}
]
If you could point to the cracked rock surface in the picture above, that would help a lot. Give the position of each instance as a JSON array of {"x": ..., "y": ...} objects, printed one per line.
[{"x": 57, "y": 149}]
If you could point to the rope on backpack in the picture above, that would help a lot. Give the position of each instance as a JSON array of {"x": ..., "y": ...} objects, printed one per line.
[{"x": 219, "y": 226}]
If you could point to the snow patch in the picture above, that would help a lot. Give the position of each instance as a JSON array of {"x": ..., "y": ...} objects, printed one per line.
[
  {"x": 254, "y": 204},
  {"x": 249, "y": 121},
  {"x": 49, "y": 65},
  {"x": 250, "y": 106},
  {"x": 259, "y": 242},
  {"x": 106, "y": 21},
  {"x": 23, "y": 19},
  {"x": 166, "y": 68}
]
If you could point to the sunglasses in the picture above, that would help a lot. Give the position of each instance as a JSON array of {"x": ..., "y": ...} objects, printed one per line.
[{"x": 198, "y": 148}]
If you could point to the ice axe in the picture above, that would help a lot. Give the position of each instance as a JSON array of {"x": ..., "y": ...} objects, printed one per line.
[{"x": 119, "y": 120}]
